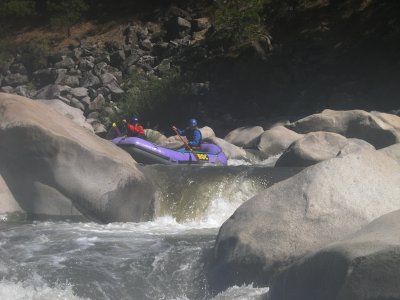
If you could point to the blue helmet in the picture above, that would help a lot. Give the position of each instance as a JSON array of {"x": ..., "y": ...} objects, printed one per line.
[
  {"x": 192, "y": 122},
  {"x": 135, "y": 119}
]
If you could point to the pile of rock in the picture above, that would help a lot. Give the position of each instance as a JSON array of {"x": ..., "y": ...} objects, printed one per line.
[{"x": 91, "y": 76}]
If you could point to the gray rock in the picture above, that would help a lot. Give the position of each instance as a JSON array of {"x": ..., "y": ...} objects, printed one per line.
[
  {"x": 207, "y": 132},
  {"x": 24, "y": 90},
  {"x": 102, "y": 58},
  {"x": 131, "y": 60},
  {"x": 52, "y": 91},
  {"x": 231, "y": 151},
  {"x": 68, "y": 80},
  {"x": 86, "y": 63},
  {"x": 353, "y": 146},
  {"x": 18, "y": 68},
  {"x": 352, "y": 124},
  {"x": 155, "y": 137},
  {"x": 320, "y": 205},
  {"x": 103, "y": 91},
  {"x": 389, "y": 119},
  {"x": 130, "y": 35},
  {"x": 104, "y": 69},
  {"x": 100, "y": 180},
  {"x": 172, "y": 142},
  {"x": 116, "y": 91},
  {"x": 74, "y": 114},
  {"x": 89, "y": 80},
  {"x": 44, "y": 77},
  {"x": 7, "y": 89},
  {"x": 97, "y": 103},
  {"x": 312, "y": 148},
  {"x": 8, "y": 204},
  {"x": 365, "y": 265},
  {"x": 98, "y": 128},
  {"x": 77, "y": 104},
  {"x": 246, "y": 137},
  {"x": 79, "y": 92},
  {"x": 146, "y": 45},
  {"x": 146, "y": 61},
  {"x": 66, "y": 63},
  {"x": 108, "y": 78},
  {"x": 15, "y": 79},
  {"x": 276, "y": 140},
  {"x": 392, "y": 151},
  {"x": 94, "y": 115}
]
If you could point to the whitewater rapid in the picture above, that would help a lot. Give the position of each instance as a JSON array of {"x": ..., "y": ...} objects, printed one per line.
[{"x": 162, "y": 259}]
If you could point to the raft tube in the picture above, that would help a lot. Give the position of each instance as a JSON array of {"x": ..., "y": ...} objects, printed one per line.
[{"x": 146, "y": 152}]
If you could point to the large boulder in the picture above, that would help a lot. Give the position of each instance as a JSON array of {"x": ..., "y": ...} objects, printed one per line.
[
  {"x": 72, "y": 113},
  {"x": 8, "y": 204},
  {"x": 390, "y": 119},
  {"x": 365, "y": 265},
  {"x": 315, "y": 147},
  {"x": 352, "y": 124},
  {"x": 207, "y": 132},
  {"x": 321, "y": 204},
  {"x": 44, "y": 156},
  {"x": 276, "y": 140},
  {"x": 392, "y": 151},
  {"x": 231, "y": 151},
  {"x": 246, "y": 137}
]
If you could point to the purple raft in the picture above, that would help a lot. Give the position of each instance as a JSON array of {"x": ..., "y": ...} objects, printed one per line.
[{"x": 148, "y": 153}]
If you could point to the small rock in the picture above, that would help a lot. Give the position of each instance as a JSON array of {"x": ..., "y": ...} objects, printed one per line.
[
  {"x": 65, "y": 63},
  {"x": 79, "y": 92},
  {"x": 98, "y": 103},
  {"x": 15, "y": 79}
]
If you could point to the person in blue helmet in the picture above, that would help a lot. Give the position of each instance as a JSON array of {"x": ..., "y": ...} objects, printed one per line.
[{"x": 192, "y": 133}]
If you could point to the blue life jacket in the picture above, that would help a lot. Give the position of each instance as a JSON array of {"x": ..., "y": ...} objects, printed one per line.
[{"x": 193, "y": 136}]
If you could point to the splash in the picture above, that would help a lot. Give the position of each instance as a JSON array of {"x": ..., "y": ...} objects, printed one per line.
[{"x": 35, "y": 289}]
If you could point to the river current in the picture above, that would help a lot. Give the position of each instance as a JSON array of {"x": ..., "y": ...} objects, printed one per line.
[{"x": 161, "y": 259}]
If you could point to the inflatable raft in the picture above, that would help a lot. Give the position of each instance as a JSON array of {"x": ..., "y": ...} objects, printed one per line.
[{"x": 148, "y": 153}]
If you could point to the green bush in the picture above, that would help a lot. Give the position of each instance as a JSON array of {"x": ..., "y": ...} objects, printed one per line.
[
  {"x": 238, "y": 21},
  {"x": 35, "y": 53},
  {"x": 157, "y": 100}
]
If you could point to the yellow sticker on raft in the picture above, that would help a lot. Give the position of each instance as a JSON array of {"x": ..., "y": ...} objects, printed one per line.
[{"x": 201, "y": 156}]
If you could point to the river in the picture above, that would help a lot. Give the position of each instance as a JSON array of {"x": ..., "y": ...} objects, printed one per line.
[{"x": 162, "y": 259}]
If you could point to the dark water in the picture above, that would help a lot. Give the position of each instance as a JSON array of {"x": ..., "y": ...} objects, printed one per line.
[{"x": 162, "y": 259}]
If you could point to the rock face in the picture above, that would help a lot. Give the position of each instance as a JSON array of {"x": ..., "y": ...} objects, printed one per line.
[
  {"x": 318, "y": 146},
  {"x": 392, "y": 151},
  {"x": 319, "y": 205},
  {"x": 231, "y": 151},
  {"x": 7, "y": 202},
  {"x": 277, "y": 140},
  {"x": 76, "y": 115},
  {"x": 246, "y": 137},
  {"x": 364, "y": 266},
  {"x": 50, "y": 163},
  {"x": 352, "y": 124}
]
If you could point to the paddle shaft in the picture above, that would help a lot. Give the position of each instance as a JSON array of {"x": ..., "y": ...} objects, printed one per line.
[{"x": 183, "y": 140}]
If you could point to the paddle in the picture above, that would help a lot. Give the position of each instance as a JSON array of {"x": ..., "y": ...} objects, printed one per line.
[{"x": 184, "y": 142}]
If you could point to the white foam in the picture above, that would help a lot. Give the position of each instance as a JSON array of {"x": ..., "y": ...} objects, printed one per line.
[
  {"x": 34, "y": 289},
  {"x": 242, "y": 293},
  {"x": 238, "y": 162}
]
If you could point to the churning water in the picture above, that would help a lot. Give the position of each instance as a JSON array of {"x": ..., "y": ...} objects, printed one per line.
[{"x": 162, "y": 259}]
